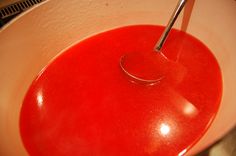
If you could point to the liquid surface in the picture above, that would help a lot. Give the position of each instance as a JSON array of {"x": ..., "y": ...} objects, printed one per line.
[{"x": 83, "y": 104}]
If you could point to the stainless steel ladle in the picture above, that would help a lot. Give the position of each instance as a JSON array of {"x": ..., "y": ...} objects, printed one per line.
[{"x": 158, "y": 45}]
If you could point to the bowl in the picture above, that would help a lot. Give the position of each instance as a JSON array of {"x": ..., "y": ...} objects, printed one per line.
[{"x": 30, "y": 41}]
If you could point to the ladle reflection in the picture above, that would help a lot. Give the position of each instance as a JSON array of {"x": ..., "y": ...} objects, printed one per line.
[
  {"x": 189, "y": 109},
  {"x": 183, "y": 105}
]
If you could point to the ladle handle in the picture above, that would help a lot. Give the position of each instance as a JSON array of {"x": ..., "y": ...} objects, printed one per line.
[{"x": 171, "y": 22}]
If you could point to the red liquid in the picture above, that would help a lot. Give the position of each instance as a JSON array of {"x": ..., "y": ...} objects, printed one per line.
[{"x": 83, "y": 104}]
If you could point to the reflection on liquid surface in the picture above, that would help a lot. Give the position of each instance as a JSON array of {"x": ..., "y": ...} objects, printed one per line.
[
  {"x": 40, "y": 99},
  {"x": 164, "y": 129}
]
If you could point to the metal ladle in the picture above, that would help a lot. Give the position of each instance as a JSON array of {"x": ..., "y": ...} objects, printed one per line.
[{"x": 158, "y": 45}]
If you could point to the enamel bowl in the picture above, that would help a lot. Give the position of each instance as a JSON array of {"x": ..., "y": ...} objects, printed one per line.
[{"x": 35, "y": 37}]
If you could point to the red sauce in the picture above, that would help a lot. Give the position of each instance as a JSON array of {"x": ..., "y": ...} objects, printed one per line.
[{"x": 83, "y": 104}]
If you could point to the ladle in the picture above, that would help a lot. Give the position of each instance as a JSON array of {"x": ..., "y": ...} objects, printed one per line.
[{"x": 125, "y": 62}]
